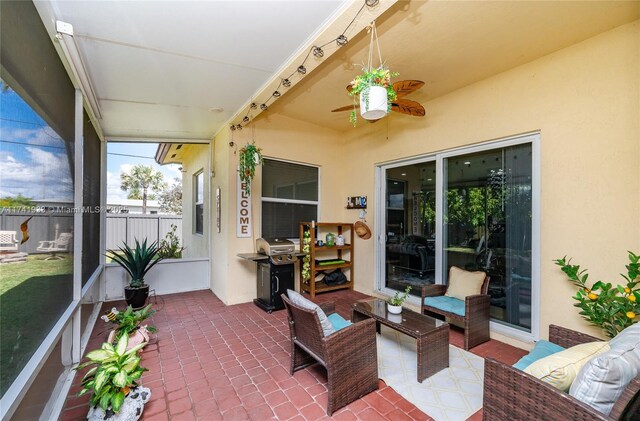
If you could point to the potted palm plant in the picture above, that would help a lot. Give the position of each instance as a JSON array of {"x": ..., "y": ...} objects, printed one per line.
[
  {"x": 112, "y": 380},
  {"x": 137, "y": 262},
  {"x": 250, "y": 157},
  {"x": 394, "y": 304}
]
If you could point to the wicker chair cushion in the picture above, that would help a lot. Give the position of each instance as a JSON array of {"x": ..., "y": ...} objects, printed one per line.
[
  {"x": 603, "y": 379},
  {"x": 338, "y": 322},
  {"x": 299, "y": 300},
  {"x": 561, "y": 368},
  {"x": 540, "y": 350},
  {"x": 448, "y": 304},
  {"x": 463, "y": 283}
]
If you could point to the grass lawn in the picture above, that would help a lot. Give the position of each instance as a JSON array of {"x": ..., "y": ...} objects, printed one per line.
[{"x": 33, "y": 295}]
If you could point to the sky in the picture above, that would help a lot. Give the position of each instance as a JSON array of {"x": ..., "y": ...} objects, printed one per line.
[
  {"x": 34, "y": 160},
  {"x": 143, "y": 153}
]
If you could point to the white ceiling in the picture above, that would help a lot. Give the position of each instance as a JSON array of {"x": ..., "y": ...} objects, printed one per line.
[{"x": 158, "y": 68}]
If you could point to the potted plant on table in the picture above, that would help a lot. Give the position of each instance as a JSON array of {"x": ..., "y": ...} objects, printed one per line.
[
  {"x": 129, "y": 323},
  {"x": 394, "y": 304},
  {"x": 137, "y": 262},
  {"x": 250, "y": 157},
  {"x": 376, "y": 93},
  {"x": 112, "y": 381}
]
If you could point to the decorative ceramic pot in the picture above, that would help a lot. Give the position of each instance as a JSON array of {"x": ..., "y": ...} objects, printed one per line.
[
  {"x": 136, "y": 297},
  {"x": 394, "y": 309},
  {"x": 373, "y": 103},
  {"x": 139, "y": 336}
]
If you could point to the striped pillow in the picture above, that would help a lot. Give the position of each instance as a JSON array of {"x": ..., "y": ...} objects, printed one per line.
[{"x": 561, "y": 368}]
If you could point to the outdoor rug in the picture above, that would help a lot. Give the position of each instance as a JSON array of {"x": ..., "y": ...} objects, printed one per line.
[{"x": 453, "y": 394}]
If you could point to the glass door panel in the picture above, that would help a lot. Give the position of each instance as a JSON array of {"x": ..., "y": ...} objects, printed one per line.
[
  {"x": 410, "y": 211},
  {"x": 487, "y": 225}
]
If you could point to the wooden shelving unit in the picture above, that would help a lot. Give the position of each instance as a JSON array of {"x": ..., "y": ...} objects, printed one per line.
[{"x": 325, "y": 252}]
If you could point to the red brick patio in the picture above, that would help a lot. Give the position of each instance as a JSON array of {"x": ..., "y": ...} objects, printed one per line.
[{"x": 217, "y": 362}]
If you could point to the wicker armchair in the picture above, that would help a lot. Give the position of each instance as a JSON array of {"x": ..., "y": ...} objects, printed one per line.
[
  {"x": 476, "y": 315},
  {"x": 513, "y": 394},
  {"x": 349, "y": 355}
]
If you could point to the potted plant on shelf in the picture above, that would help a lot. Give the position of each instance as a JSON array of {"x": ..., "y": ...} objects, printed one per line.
[
  {"x": 128, "y": 323},
  {"x": 112, "y": 381},
  {"x": 250, "y": 157},
  {"x": 137, "y": 262},
  {"x": 376, "y": 93},
  {"x": 394, "y": 304}
]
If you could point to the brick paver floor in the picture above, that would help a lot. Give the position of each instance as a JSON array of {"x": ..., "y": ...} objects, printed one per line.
[{"x": 215, "y": 362}]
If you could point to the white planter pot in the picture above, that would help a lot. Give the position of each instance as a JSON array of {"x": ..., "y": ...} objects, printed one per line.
[
  {"x": 130, "y": 410},
  {"x": 394, "y": 309},
  {"x": 376, "y": 106}
]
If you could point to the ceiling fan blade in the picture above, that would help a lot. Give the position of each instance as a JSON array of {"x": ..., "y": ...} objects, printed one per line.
[
  {"x": 405, "y": 87},
  {"x": 406, "y": 106},
  {"x": 345, "y": 108}
]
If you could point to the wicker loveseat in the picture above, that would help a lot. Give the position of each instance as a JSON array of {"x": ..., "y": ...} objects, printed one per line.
[
  {"x": 475, "y": 317},
  {"x": 512, "y": 394},
  {"x": 349, "y": 355}
]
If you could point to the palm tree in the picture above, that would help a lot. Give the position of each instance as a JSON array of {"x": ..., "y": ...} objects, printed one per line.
[{"x": 139, "y": 181}]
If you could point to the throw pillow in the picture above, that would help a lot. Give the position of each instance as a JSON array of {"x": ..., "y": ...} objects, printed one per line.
[
  {"x": 463, "y": 283},
  {"x": 540, "y": 350},
  {"x": 603, "y": 379},
  {"x": 299, "y": 300},
  {"x": 561, "y": 368}
]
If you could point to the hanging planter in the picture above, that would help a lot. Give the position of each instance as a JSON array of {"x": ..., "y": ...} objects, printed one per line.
[
  {"x": 373, "y": 86},
  {"x": 250, "y": 157}
]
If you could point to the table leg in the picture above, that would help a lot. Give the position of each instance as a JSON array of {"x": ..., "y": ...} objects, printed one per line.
[{"x": 433, "y": 353}]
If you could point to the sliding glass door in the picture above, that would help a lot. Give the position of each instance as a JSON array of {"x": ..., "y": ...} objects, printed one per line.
[
  {"x": 472, "y": 210},
  {"x": 487, "y": 225}
]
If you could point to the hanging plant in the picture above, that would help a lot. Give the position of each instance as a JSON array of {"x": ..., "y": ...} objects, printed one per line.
[
  {"x": 250, "y": 157},
  {"x": 371, "y": 77},
  {"x": 373, "y": 104}
]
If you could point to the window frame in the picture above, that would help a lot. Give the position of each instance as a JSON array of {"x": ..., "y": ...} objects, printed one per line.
[
  {"x": 197, "y": 202},
  {"x": 315, "y": 203}
]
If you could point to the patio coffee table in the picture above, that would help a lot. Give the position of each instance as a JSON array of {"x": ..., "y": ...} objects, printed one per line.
[{"x": 432, "y": 335}]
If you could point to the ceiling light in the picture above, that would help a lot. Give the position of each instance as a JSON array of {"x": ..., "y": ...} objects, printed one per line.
[{"x": 216, "y": 109}]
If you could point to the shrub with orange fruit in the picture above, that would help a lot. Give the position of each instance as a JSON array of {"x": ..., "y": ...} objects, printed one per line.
[{"x": 612, "y": 308}]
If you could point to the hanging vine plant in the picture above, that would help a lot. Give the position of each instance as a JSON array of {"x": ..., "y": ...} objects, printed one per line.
[{"x": 250, "y": 157}]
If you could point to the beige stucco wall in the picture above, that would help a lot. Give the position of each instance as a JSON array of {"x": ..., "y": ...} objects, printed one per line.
[
  {"x": 282, "y": 138},
  {"x": 196, "y": 159},
  {"x": 585, "y": 102}
]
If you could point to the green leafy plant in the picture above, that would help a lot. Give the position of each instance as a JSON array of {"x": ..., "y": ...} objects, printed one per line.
[
  {"x": 250, "y": 157},
  {"x": 603, "y": 305},
  {"x": 113, "y": 374},
  {"x": 400, "y": 298},
  {"x": 136, "y": 261},
  {"x": 379, "y": 76},
  {"x": 306, "y": 260},
  {"x": 128, "y": 321},
  {"x": 170, "y": 247}
]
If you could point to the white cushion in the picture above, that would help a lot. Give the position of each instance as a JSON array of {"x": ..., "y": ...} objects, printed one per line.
[
  {"x": 561, "y": 368},
  {"x": 603, "y": 379},
  {"x": 299, "y": 300},
  {"x": 463, "y": 283}
]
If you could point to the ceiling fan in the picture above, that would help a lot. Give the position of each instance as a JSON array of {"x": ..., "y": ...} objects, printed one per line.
[{"x": 401, "y": 105}]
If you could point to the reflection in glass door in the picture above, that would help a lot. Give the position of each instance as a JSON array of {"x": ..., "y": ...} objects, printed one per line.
[
  {"x": 487, "y": 215},
  {"x": 410, "y": 211}
]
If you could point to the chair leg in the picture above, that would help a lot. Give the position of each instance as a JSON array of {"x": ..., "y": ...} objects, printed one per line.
[
  {"x": 476, "y": 331},
  {"x": 299, "y": 358}
]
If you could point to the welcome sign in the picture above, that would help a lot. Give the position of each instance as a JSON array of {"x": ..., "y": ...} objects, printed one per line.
[{"x": 243, "y": 217}]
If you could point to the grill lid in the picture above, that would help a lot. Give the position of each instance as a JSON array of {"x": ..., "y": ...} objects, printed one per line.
[{"x": 274, "y": 246}]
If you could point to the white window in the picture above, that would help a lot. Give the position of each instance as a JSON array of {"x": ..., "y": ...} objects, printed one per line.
[
  {"x": 198, "y": 189},
  {"x": 289, "y": 195}
]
